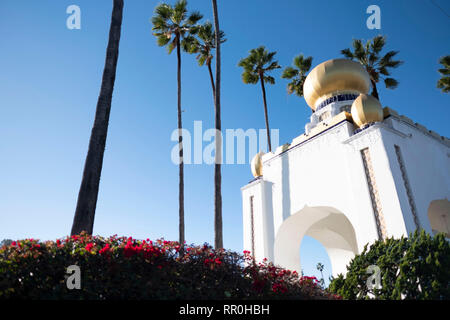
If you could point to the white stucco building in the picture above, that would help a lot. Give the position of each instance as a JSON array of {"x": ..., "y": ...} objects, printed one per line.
[{"x": 359, "y": 173}]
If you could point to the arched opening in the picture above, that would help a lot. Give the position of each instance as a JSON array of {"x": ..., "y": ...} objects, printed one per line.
[
  {"x": 439, "y": 216},
  {"x": 325, "y": 224},
  {"x": 312, "y": 252}
]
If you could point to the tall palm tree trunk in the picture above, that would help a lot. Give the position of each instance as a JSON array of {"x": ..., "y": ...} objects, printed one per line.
[
  {"x": 212, "y": 82},
  {"x": 88, "y": 194},
  {"x": 180, "y": 144},
  {"x": 261, "y": 78},
  {"x": 218, "y": 232},
  {"x": 374, "y": 90}
]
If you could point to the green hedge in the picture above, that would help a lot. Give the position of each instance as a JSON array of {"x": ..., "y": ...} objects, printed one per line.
[
  {"x": 417, "y": 267},
  {"x": 125, "y": 268}
]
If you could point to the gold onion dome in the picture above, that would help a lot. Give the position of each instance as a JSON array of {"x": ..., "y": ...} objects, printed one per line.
[
  {"x": 366, "y": 109},
  {"x": 256, "y": 165},
  {"x": 332, "y": 77}
]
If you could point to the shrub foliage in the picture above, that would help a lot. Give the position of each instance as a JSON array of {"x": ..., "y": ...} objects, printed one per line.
[
  {"x": 417, "y": 267},
  {"x": 126, "y": 268}
]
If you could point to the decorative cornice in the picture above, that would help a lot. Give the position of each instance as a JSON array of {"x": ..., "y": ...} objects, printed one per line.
[{"x": 388, "y": 112}]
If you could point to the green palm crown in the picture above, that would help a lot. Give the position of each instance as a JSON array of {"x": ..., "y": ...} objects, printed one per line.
[
  {"x": 297, "y": 73},
  {"x": 171, "y": 24},
  {"x": 258, "y": 63},
  {"x": 376, "y": 65}
]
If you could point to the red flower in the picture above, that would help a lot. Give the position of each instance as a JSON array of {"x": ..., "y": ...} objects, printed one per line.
[
  {"x": 105, "y": 249},
  {"x": 89, "y": 247}
]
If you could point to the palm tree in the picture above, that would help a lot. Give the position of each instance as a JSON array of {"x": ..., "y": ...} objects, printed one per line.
[
  {"x": 297, "y": 73},
  {"x": 203, "y": 46},
  {"x": 171, "y": 25},
  {"x": 218, "y": 234},
  {"x": 256, "y": 66},
  {"x": 87, "y": 196},
  {"x": 444, "y": 82},
  {"x": 320, "y": 267},
  {"x": 377, "y": 67}
]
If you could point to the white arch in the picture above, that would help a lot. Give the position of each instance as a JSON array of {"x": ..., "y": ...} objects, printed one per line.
[{"x": 327, "y": 225}]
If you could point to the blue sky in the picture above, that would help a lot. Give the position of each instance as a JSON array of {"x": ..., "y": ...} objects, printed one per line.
[{"x": 50, "y": 79}]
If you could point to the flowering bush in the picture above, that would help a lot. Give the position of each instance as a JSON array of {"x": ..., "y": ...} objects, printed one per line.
[{"x": 126, "y": 268}]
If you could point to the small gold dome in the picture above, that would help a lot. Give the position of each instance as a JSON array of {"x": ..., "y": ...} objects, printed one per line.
[
  {"x": 256, "y": 165},
  {"x": 335, "y": 76},
  {"x": 366, "y": 109}
]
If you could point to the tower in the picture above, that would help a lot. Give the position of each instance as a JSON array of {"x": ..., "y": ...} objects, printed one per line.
[{"x": 359, "y": 173}]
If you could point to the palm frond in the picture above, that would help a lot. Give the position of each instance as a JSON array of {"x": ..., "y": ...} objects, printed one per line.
[
  {"x": 444, "y": 72},
  {"x": 444, "y": 81},
  {"x": 180, "y": 7},
  {"x": 289, "y": 73},
  {"x": 444, "y": 84},
  {"x": 445, "y": 61},
  {"x": 201, "y": 59},
  {"x": 249, "y": 77},
  {"x": 269, "y": 79},
  {"x": 172, "y": 45},
  {"x": 163, "y": 39},
  {"x": 274, "y": 65},
  {"x": 391, "y": 83},
  {"x": 302, "y": 63},
  {"x": 268, "y": 56},
  {"x": 296, "y": 86},
  {"x": 384, "y": 71},
  {"x": 164, "y": 11},
  {"x": 359, "y": 52},
  {"x": 193, "y": 18},
  {"x": 386, "y": 60},
  {"x": 378, "y": 44},
  {"x": 159, "y": 23},
  {"x": 179, "y": 12},
  {"x": 347, "y": 53},
  {"x": 221, "y": 37},
  {"x": 190, "y": 44}
]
